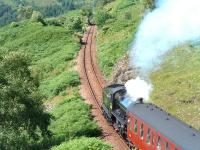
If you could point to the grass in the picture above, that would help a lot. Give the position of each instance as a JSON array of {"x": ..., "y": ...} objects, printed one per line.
[
  {"x": 72, "y": 119},
  {"x": 83, "y": 144},
  {"x": 115, "y": 37},
  {"x": 51, "y": 88},
  {"x": 177, "y": 84}
]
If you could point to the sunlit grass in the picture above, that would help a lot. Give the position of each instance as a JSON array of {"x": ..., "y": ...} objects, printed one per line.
[{"x": 177, "y": 84}]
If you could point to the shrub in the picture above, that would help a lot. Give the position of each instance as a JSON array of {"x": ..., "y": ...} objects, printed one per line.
[
  {"x": 104, "y": 2},
  {"x": 83, "y": 144},
  {"x": 74, "y": 23},
  {"x": 101, "y": 17},
  {"x": 128, "y": 16},
  {"x": 59, "y": 83},
  {"x": 14, "y": 24},
  {"x": 54, "y": 22},
  {"x": 23, "y": 118},
  {"x": 37, "y": 17},
  {"x": 73, "y": 119},
  {"x": 24, "y": 12},
  {"x": 150, "y": 4}
]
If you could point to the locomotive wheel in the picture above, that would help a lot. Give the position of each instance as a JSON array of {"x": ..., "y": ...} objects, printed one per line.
[
  {"x": 132, "y": 146},
  {"x": 107, "y": 118},
  {"x": 121, "y": 131}
]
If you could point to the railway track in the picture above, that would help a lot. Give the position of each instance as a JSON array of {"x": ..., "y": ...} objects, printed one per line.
[
  {"x": 92, "y": 84},
  {"x": 90, "y": 71}
]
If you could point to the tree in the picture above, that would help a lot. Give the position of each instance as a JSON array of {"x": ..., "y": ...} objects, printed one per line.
[
  {"x": 37, "y": 17},
  {"x": 25, "y": 12},
  {"x": 74, "y": 23},
  {"x": 22, "y": 116},
  {"x": 150, "y": 4},
  {"x": 101, "y": 17},
  {"x": 87, "y": 12}
]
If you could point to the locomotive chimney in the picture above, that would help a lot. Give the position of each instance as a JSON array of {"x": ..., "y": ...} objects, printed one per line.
[{"x": 140, "y": 100}]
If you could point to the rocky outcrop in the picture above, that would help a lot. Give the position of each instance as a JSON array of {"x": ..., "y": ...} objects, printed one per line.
[{"x": 123, "y": 71}]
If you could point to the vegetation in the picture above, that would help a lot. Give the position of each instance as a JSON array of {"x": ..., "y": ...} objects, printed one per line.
[
  {"x": 53, "y": 49},
  {"x": 37, "y": 17},
  {"x": 117, "y": 22},
  {"x": 73, "y": 119},
  {"x": 16, "y": 10},
  {"x": 22, "y": 115},
  {"x": 7, "y": 14},
  {"x": 83, "y": 144},
  {"x": 37, "y": 65},
  {"x": 176, "y": 84},
  {"x": 58, "y": 84}
]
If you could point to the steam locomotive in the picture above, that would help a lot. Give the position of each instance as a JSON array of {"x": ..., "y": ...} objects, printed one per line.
[{"x": 146, "y": 126}]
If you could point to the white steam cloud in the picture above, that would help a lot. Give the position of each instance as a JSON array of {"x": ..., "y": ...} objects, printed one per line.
[
  {"x": 172, "y": 23},
  {"x": 138, "y": 88}
]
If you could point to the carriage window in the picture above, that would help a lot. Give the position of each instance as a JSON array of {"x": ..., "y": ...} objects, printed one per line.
[
  {"x": 148, "y": 137},
  {"x": 142, "y": 131},
  {"x": 159, "y": 144},
  {"x": 135, "y": 126},
  {"x": 167, "y": 146},
  {"x": 153, "y": 139}
]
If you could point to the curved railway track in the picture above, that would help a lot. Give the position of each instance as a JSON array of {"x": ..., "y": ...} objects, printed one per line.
[
  {"x": 92, "y": 83},
  {"x": 90, "y": 73}
]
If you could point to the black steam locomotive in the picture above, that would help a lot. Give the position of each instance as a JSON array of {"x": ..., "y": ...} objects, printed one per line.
[{"x": 146, "y": 126}]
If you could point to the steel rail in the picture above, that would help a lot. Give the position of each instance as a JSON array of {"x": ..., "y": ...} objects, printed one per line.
[{"x": 85, "y": 69}]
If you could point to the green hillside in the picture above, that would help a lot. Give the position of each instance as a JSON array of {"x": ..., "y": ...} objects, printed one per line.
[
  {"x": 117, "y": 31},
  {"x": 53, "y": 49},
  {"x": 17, "y": 10},
  {"x": 176, "y": 83},
  {"x": 51, "y": 46}
]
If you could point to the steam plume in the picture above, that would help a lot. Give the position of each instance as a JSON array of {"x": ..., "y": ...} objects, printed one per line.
[
  {"x": 138, "y": 88},
  {"x": 172, "y": 23}
]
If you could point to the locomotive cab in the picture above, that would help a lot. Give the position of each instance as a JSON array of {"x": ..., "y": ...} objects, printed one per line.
[{"x": 111, "y": 97}]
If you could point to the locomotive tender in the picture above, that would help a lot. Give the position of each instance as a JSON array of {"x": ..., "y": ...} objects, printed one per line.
[{"x": 144, "y": 125}]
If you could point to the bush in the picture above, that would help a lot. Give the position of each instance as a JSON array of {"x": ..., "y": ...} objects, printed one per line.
[
  {"x": 83, "y": 144},
  {"x": 37, "y": 17},
  {"x": 74, "y": 23},
  {"x": 101, "y": 17},
  {"x": 22, "y": 115},
  {"x": 104, "y": 2},
  {"x": 128, "y": 15},
  {"x": 54, "y": 22},
  {"x": 73, "y": 119},
  {"x": 58, "y": 84},
  {"x": 150, "y": 4},
  {"x": 24, "y": 12},
  {"x": 14, "y": 24}
]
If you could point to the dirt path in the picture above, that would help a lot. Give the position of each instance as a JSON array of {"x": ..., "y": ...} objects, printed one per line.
[{"x": 92, "y": 83}]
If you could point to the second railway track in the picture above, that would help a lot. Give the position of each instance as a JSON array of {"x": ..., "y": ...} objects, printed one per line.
[{"x": 92, "y": 84}]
